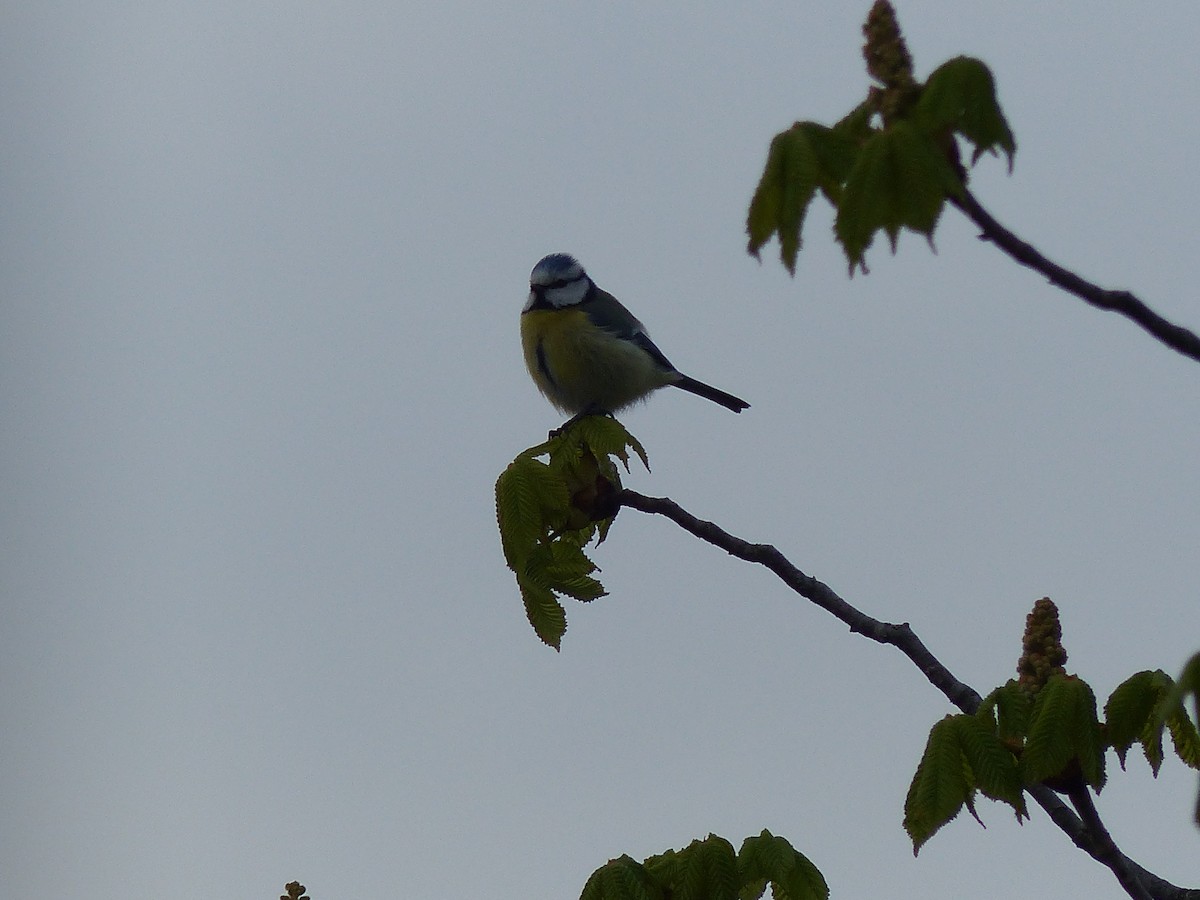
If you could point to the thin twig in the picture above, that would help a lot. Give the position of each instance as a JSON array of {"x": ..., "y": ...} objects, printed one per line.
[
  {"x": 900, "y": 636},
  {"x": 1091, "y": 837},
  {"x": 1174, "y": 336}
]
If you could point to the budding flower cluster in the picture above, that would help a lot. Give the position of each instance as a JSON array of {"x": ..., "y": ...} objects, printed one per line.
[
  {"x": 1043, "y": 654},
  {"x": 888, "y": 60}
]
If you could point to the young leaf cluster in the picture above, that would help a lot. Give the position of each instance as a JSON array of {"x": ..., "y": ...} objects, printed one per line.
[
  {"x": 710, "y": 869},
  {"x": 1053, "y": 737},
  {"x": 964, "y": 754},
  {"x": 1140, "y": 709},
  {"x": 553, "y": 500},
  {"x": 1146, "y": 703},
  {"x": 1188, "y": 686},
  {"x": 1064, "y": 739},
  {"x": 890, "y": 164}
]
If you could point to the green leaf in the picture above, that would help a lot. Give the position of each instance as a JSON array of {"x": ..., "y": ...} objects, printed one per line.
[
  {"x": 960, "y": 97},
  {"x": 1008, "y": 708},
  {"x": 528, "y": 494},
  {"x": 524, "y": 492},
  {"x": 562, "y": 566},
  {"x": 548, "y": 512},
  {"x": 993, "y": 767},
  {"x": 851, "y": 132},
  {"x": 784, "y": 192},
  {"x": 621, "y": 879},
  {"x": 940, "y": 786},
  {"x": 605, "y": 436},
  {"x": 1184, "y": 733},
  {"x": 1050, "y": 745},
  {"x": 1064, "y": 729},
  {"x": 767, "y": 859},
  {"x": 665, "y": 869},
  {"x": 703, "y": 870},
  {"x": 1184, "y": 736},
  {"x": 545, "y": 614},
  {"x": 1188, "y": 684},
  {"x": 710, "y": 870},
  {"x": 1090, "y": 744},
  {"x": 1183, "y": 729},
  {"x": 1130, "y": 714},
  {"x": 963, "y": 754},
  {"x": 837, "y": 149},
  {"x": 900, "y": 180},
  {"x": 800, "y": 160}
]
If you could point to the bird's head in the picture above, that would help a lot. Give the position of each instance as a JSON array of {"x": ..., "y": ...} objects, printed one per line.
[{"x": 557, "y": 281}]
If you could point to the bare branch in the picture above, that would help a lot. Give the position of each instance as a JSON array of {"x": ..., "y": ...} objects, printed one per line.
[
  {"x": 1174, "y": 336},
  {"x": 900, "y": 636},
  {"x": 1093, "y": 838}
]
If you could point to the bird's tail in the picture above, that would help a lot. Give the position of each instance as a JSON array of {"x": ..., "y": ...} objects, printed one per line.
[{"x": 708, "y": 392}]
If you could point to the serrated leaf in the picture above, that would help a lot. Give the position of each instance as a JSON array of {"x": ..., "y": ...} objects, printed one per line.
[
  {"x": 764, "y": 855},
  {"x": 606, "y": 436},
  {"x": 524, "y": 491},
  {"x": 664, "y": 869},
  {"x": 1184, "y": 733},
  {"x": 940, "y": 786},
  {"x": 1090, "y": 745},
  {"x": 854, "y": 129},
  {"x": 960, "y": 96},
  {"x": 781, "y": 200},
  {"x": 900, "y": 180},
  {"x": 1184, "y": 737},
  {"x": 805, "y": 157},
  {"x": 1188, "y": 685},
  {"x": 1189, "y": 680},
  {"x": 703, "y": 870},
  {"x": 545, "y": 614},
  {"x": 1128, "y": 708},
  {"x": 621, "y": 879},
  {"x": 1131, "y": 714},
  {"x": 803, "y": 881},
  {"x": 768, "y": 859},
  {"x": 1050, "y": 745},
  {"x": 837, "y": 149},
  {"x": 1008, "y": 707},
  {"x": 1064, "y": 728},
  {"x": 708, "y": 871},
  {"x": 547, "y": 513},
  {"x": 562, "y": 567},
  {"x": 994, "y": 768}
]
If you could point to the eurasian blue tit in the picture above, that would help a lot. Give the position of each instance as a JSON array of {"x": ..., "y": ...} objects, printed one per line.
[{"x": 586, "y": 352}]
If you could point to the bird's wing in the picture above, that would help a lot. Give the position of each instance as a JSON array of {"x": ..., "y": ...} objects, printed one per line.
[{"x": 607, "y": 312}]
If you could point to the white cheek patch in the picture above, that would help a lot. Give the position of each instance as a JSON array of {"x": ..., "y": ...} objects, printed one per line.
[
  {"x": 529, "y": 303},
  {"x": 568, "y": 295}
]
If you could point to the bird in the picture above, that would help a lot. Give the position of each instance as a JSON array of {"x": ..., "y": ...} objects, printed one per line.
[{"x": 587, "y": 353}]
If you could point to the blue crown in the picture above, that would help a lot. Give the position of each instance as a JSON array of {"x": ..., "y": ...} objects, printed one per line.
[{"x": 557, "y": 267}]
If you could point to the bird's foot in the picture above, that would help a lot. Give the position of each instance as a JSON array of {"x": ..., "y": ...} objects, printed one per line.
[{"x": 592, "y": 409}]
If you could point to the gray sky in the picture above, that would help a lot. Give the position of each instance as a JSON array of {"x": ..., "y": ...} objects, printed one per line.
[{"x": 259, "y": 369}]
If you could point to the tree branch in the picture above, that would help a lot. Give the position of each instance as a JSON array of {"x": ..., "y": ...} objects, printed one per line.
[
  {"x": 1135, "y": 879},
  {"x": 1174, "y": 336},
  {"x": 1088, "y": 833},
  {"x": 900, "y": 636}
]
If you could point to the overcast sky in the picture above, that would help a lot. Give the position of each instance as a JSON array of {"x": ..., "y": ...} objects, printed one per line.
[{"x": 260, "y": 273}]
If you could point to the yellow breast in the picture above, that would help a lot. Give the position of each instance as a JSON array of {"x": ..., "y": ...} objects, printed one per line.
[{"x": 576, "y": 364}]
